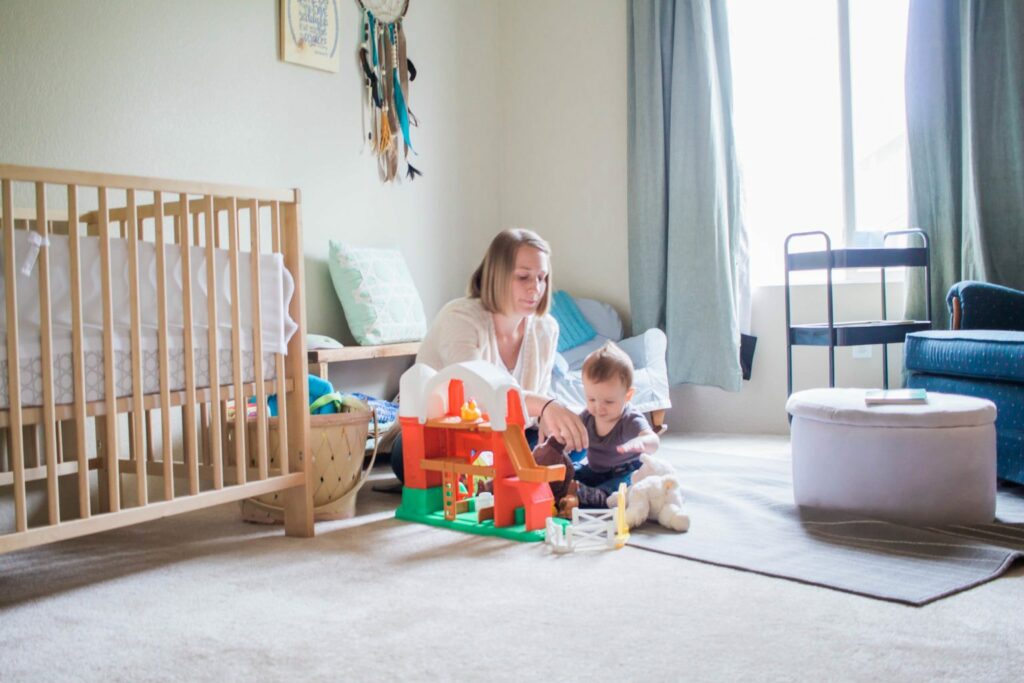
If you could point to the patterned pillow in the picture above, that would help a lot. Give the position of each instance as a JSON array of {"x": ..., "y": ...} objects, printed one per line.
[
  {"x": 377, "y": 293},
  {"x": 573, "y": 328}
]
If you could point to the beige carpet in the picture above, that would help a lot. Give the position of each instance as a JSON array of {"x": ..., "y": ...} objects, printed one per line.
[{"x": 206, "y": 597}]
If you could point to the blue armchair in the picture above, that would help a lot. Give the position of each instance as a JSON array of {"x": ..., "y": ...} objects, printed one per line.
[{"x": 983, "y": 355}]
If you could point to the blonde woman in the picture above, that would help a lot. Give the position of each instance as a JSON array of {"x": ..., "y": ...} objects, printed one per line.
[{"x": 504, "y": 320}]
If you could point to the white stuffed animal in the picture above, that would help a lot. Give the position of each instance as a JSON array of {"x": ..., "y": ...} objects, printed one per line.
[{"x": 654, "y": 494}]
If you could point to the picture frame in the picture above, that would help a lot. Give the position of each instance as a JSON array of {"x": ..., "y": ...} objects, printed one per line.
[{"x": 310, "y": 33}]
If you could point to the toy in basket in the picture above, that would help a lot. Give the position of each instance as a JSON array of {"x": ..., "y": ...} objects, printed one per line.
[{"x": 337, "y": 442}]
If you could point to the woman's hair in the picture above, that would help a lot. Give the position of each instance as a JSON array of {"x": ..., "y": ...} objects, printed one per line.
[
  {"x": 491, "y": 283},
  {"x": 607, "y": 362}
]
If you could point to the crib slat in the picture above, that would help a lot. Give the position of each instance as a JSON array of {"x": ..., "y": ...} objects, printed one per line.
[
  {"x": 167, "y": 453},
  {"x": 257, "y": 346},
  {"x": 17, "y": 450},
  {"x": 78, "y": 354},
  {"x": 216, "y": 223},
  {"x": 46, "y": 359},
  {"x": 218, "y": 207},
  {"x": 141, "y": 213},
  {"x": 282, "y": 395},
  {"x": 110, "y": 436},
  {"x": 138, "y": 407},
  {"x": 189, "y": 409},
  {"x": 204, "y": 435},
  {"x": 150, "y": 456},
  {"x": 211, "y": 304},
  {"x": 298, "y": 503},
  {"x": 236, "y": 345}
]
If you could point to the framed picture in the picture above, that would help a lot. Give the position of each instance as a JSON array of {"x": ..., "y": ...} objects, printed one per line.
[{"x": 309, "y": 33}]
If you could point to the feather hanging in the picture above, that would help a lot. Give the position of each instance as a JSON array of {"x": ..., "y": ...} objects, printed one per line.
[{"x": 386, "y": 72}]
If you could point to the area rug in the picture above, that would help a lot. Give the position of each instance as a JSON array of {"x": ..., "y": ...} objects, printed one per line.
[{"x": 743, "y": 516}]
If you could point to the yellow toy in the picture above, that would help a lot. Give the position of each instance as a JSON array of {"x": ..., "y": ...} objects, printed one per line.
[{"x": 470, "y": 412}]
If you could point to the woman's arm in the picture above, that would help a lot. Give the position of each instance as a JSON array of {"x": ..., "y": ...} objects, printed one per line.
[{"x": 558, "y": 421}]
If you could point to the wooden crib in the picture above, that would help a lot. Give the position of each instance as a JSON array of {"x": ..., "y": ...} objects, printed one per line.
[{"x": 149, "y": 436}]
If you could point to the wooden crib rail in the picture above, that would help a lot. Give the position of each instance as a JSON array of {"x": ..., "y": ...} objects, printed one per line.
[
  {"x": 123, "y": 182},
  {"x": 196, "y": 211}
]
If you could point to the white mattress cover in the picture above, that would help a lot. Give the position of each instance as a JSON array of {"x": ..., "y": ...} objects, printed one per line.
[{"x": 276, "y": 289}]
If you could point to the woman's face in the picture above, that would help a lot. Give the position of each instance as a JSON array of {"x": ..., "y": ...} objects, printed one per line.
[{"x": 529, "y": 280}]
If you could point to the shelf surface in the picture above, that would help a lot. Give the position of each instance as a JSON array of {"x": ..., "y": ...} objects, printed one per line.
[
  {"x": 857, "y": 258},
  {"x": 857, "y": 333},
  {"x": 363, "y": 352}
]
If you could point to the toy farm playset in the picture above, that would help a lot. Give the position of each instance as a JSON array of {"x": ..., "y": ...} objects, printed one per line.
[{"x": 444, "y": 436}]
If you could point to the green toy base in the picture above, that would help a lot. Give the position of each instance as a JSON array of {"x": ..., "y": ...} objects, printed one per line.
[{"x": 425, "y": 506}]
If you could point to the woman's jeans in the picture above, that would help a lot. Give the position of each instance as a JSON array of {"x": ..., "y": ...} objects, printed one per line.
[{"x": 398, "y": 465}]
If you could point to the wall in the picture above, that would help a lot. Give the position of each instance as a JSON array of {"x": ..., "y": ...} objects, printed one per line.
[
  {"x": 563, "y": 152},
  {"x": 523, "y": 113},
  {"x": 194, "y": 89},
  {"x": 563, "y": 137}
]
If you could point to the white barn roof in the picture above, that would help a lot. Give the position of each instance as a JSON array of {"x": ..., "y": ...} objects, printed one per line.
[{"x": 424, "y": 391}]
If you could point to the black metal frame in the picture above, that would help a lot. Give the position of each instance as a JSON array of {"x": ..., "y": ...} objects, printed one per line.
[{"x": 832, "y": 335}]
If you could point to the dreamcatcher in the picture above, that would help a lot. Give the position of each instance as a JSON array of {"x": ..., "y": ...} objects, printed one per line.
[{"x": 386, "y": 74}]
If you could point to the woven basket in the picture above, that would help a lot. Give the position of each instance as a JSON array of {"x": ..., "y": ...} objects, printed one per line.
[{"x": 337, "y": 443}]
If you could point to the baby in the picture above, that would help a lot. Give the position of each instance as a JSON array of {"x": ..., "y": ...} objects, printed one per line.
[{"x": 618, "y": 433}]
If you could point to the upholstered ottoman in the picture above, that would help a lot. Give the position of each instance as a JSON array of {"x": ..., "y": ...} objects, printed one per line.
[{"x": 931, "y": 463}]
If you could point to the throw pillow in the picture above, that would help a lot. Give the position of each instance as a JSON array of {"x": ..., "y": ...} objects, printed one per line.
[
  {"x": 573, "y": 328},
  {"x": 377, "y": 293}
]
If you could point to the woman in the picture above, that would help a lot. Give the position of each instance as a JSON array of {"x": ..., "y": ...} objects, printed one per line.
[{"x": 504, "y": 320}]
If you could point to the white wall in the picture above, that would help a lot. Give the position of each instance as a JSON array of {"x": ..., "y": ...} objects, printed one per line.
[
  {"x": 194, "y": 89},
  {"x": 563, "y": 149},
  {"x": 563, "y": 137},
  {"x": 523, "y": 113}
]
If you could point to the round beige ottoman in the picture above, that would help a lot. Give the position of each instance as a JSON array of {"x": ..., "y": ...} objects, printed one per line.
[{"x": 925, "y": 464}]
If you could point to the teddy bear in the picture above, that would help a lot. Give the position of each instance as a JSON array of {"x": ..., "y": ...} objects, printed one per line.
[{"x": 654, "y": 494}]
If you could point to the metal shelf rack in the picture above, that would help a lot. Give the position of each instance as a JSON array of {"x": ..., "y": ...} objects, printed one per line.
[{"x": 854, "y": 333}]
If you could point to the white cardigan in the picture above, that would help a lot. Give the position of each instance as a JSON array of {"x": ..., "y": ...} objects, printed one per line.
[{"x": 463, "y": 330}]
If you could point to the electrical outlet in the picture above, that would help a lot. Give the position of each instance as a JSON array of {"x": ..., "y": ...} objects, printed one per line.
[{"x": 862, "y": 352}]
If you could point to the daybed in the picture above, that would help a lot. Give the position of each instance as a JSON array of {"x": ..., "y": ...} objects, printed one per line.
[{"x": 106, "y": 334}]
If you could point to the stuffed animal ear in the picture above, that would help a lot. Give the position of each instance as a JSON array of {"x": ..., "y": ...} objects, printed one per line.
[{"x": 669, "y": 483}]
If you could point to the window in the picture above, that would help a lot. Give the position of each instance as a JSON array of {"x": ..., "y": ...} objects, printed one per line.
[{"x": 811, "y": 78}]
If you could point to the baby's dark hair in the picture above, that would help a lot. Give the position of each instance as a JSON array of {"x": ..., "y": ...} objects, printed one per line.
[{"x": 607, "y": 362}]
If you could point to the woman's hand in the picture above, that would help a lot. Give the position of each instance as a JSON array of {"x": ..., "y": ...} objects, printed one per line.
[{"x": 565, "y": 425}]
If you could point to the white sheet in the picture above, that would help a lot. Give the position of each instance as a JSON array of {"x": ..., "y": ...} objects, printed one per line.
[{"x": 276, "y": 289}]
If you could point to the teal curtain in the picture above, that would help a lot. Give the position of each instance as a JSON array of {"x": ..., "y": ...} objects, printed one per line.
[
  {"x": 965, "y": 129},
  {"x": 687, "y": 245}
]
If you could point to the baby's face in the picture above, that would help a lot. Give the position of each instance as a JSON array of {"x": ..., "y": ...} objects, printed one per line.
[{"x": 605, "y": 400}]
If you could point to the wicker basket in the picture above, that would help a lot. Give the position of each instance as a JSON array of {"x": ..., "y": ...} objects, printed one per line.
[{"x": 337, "y": 443}]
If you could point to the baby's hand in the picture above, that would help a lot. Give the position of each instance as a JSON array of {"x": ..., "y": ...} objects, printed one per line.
[{"x": 632, "y": 446}]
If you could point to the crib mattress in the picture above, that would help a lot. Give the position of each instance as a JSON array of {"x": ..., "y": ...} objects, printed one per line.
[{"x": 276, "y": 288}]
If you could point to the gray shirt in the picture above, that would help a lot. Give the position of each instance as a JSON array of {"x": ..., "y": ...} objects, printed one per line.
[{"x": 602, "y": 455}]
